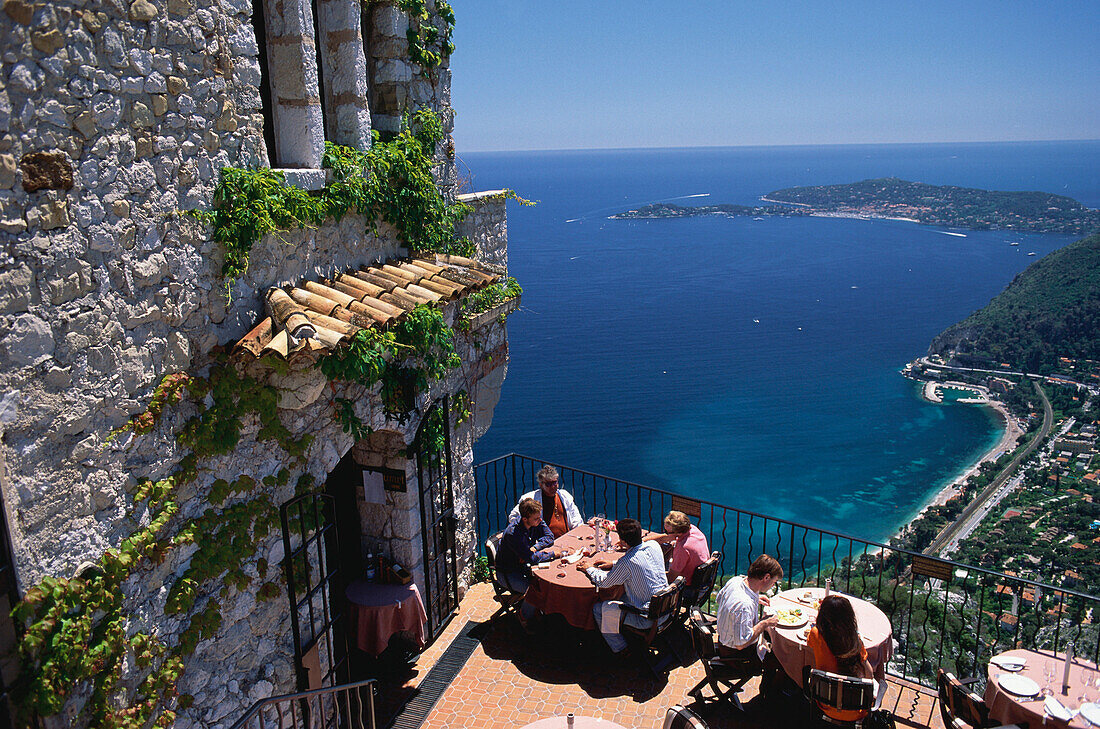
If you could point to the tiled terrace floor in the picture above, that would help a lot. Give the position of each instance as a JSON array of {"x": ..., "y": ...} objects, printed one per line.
[{"x": 513, "y": 679}]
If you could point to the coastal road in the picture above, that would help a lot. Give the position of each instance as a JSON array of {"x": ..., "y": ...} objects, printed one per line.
[{"x": 977, "y": 510}]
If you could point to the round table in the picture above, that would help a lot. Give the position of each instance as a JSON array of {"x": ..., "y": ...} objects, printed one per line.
[
  {"x": 789, "y": 644},
  {"x": 1009, "y": 709},
  {"x": 565, "y": 590},
  {"x": 579, "y": 722},
  {"x": 377, "y": 611}
]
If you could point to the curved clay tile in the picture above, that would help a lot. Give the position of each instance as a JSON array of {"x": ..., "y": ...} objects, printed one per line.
[
  {"x": 372, "y": 313},
  {"x": 332, "y": 323},
  {"x": 287, "y": 314},
  {"x": 328, "y": 292},
  {"x": 314, "y": 302},
  {"x": 399, "y": 298},
  {"x": 383, "y": 283},
  {"x": 466, "y": 280},
  {"x": 368, "y": 289},
  {"x": 386, "y": 276},
  {"x": 254, "y": 341},
  {"x": 426, "y": 265},
  {"x": 401, "y": 273},
  {"x": 279, "y": 345},
  {"x": 417, "y": 290},
  {"x": 446, "y": 291}
]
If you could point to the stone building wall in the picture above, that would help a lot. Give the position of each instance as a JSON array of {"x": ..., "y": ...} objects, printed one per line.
[
  {"x": 487, "y": 226},
  {"x": 114, "y": 116}
]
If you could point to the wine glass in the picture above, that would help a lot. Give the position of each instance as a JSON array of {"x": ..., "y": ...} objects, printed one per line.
[
  {"x": 1087, "y": 679},
  {"x": 1050, "y": 670},
  {"x": 598, "y": 527}
]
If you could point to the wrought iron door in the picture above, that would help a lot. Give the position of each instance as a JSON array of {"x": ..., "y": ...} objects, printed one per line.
[
  {"x": 437, "y": 517},
  {"x": 314, "y": 587}
]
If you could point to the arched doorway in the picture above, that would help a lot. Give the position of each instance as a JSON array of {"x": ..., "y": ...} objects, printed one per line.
[{"x": 437, "y": 516}]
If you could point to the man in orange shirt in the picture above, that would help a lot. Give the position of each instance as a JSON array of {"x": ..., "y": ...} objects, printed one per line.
[{"x": 559, "y": 511}]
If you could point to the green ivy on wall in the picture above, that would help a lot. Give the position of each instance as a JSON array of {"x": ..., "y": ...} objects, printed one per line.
[
  {"x": 391, "y": 181},
  {"x": 428, "y": 46}
]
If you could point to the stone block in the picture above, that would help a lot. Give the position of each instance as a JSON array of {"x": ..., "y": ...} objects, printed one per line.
[
  {"x": 182, "y": 8},
  {"x": 7, "y": 171},
  {"x": 48, "y": 41},
  {"x": 68, "y": 280},
  {"x": 29, "y": 341},
  {"x": 19, "y": 11},
  {"x": 49, "y": 215},
  {"x": 17, "y": 289},
  {"x": 46, "y": 171},
  {"x": 143, "y": 11}
]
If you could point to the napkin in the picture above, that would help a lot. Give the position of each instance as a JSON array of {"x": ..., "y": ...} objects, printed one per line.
[
  {"x": 1055, "y": 708},
  {"x": 573, "y": 558}
]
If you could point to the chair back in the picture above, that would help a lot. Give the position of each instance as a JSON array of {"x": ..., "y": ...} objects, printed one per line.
[
  {"x": 677, "y": 717},
  {"x": 960, "y": 707},
  {"x": 665, "y": 603},
  {"x": 492, "y": 546},
  {"x": 843, "y": 693},
  {"x": 702, "y": 582},
  {"x": 703, "y": 636}
]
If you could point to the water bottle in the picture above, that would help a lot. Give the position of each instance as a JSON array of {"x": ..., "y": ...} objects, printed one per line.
[{"x": 371, "y": 572}]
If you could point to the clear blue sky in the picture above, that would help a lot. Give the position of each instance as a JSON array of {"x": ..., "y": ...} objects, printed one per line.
[{"x": 609, "y": 73}]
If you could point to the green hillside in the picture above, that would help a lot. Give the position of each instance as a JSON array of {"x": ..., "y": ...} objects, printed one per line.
[{"x": 1050, "y": 310}]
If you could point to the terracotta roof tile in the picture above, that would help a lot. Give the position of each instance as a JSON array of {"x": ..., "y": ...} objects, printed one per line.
[{"x": 317, "y": 316}]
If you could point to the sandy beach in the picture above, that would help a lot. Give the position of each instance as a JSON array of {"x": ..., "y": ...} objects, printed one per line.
[{"x": 1007, "y": 443}]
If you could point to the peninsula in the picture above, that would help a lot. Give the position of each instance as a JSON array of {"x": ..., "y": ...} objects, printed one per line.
[{"x": 896, "y": 199}]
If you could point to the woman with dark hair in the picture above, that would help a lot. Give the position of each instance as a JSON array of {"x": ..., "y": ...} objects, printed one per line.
[{"x": 836, "y": 647}]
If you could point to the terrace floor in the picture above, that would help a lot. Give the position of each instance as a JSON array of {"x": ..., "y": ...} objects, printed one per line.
[{"x": 513, "y": 679}]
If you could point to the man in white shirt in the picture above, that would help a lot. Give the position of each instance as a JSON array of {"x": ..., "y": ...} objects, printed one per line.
[{"x": 739, "y": 625}]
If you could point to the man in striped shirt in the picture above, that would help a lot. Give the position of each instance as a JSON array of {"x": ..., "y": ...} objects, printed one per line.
[{"x": 641, "y": 572}]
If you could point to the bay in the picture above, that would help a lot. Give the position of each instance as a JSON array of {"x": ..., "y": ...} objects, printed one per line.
[{"x": 753, "y": 363}]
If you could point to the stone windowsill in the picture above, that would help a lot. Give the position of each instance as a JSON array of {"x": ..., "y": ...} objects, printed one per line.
[
  {"x": 505, "y": 307},
  {"x": 304, "y": 178},
  {"x": 472, "y": 198}
]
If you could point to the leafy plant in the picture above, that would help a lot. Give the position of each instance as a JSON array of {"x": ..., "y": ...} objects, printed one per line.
[
  {"x": 492, "y": 295},
  {"x": 428, "y": 47}
]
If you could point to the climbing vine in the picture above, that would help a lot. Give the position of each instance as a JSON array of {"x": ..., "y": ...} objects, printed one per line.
[
  {"x": 428, "y": 46},
  {"x": 492, "y": 295},
  {"x": 168, "y": 392},
  {"x": 391, "y": 181},
  {"x": 460, "y": 407}
]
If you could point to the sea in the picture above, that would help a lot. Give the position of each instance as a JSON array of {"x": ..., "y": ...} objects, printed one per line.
[{"x": 754, "y": 363}]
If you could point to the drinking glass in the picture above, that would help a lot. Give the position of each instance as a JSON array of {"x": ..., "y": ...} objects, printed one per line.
[
  {"x": 600, "y": 519},
  {"x": 1050, "y": 670},
  {"x": 1086, "y": 681}
]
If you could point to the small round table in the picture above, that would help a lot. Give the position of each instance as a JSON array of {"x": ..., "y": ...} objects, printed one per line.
[
  {"x": 1009, "y": 709},
  {"x": 579, "y": 722},
  {"x": 377, "y": 611},
  {"x": 789, "y": 644},
  {"x": 563, "y": 589}
]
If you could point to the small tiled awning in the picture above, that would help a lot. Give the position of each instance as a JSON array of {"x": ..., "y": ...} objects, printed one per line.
[{"x": 316, "y": 316}]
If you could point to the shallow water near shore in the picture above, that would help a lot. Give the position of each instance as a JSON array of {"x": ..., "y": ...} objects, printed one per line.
[{"x": 754, "y": 363}]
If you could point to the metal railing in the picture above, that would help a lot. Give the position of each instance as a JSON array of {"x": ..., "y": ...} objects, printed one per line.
[
  {"x": 350, "y": 706},
  {"x": 943, "y": 613}
]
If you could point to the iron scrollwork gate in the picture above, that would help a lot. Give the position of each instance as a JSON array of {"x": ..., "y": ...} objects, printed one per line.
[
  {"x": 437, "y": 517},
  {"x": 311, "y": 562}
]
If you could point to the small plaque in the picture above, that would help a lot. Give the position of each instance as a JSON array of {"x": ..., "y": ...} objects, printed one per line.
[
  {"x": 691, "y": 507},
  {"x": 394, "y": 480},
  {"x": 930, "y": 567}
]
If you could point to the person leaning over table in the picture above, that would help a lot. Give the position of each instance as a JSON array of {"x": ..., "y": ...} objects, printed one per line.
[
  {"x": 836, "y": 647},
  {"x": 739, "y": 625},
  {"x": 689, "y": 546},
  {"x": 559, "y": 511},
  {"x": 525, "y": 542},
  {"x": 641, "y": 572}
]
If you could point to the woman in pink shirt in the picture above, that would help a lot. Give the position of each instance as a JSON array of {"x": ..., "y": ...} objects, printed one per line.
[{"x": 689, "y": 546}]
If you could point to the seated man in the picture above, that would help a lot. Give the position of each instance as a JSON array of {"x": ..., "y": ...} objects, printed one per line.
[
  {"x": 525, "y": 542},
  {"x": 641, "y": 572},
  {"x": 739, "y": 625},
  {"x": 558, "y": 509},
  {"x": 689, "y": 546}
]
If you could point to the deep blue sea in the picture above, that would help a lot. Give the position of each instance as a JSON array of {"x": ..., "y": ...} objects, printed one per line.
[{"x": 637, "y": 353}]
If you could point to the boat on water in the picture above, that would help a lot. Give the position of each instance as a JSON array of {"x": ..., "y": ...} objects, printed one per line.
[
  {"x": 757, "y": 218},
  {"x": 1032, "y": 253},
  {"x": 1014, "y": 243}
]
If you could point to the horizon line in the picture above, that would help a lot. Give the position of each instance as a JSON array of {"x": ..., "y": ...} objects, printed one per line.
[{"x": 773, "y": 146}]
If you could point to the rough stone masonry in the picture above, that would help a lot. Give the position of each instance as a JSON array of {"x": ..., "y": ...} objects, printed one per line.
[{"x": 114, "y": 117}]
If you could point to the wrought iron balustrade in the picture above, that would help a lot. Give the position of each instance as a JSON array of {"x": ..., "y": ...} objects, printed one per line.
[
  {"x": 349, "y": 706},
  {"x": 943, "y": 613}
]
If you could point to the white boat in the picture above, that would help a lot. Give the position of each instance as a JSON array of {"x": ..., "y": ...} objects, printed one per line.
[
  {"x": 1032, "y": 253},
  {"x": 1014, "y": 243}
]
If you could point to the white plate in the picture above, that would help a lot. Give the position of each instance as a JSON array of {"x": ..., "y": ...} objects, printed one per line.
[
  {"x": 1009, "y": 663},
  {"x": 1091, "y": 712},
  {"x": 1055, "y": 708},
  {"x": 1016, "y": 684}
]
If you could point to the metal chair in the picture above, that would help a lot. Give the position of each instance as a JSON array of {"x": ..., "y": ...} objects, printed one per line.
[
  {"x": 677, "y": 717},
  {"x": 961, "y": 708},
  {"x": 702, "y": 584},
  {"x": 842, "y": 693},
  {"x": 725, "y": 677},
  {"x": 508, "y": 598},
  {"x": 661, "y": 615}
]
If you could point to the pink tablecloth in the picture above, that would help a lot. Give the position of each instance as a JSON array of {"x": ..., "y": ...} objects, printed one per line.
[
  {"x": 376, "y": 612},
  {"x": 789, "y": 644},
  {"x": 1009, "y": 709},
  {"x": 562, "y": 589}
]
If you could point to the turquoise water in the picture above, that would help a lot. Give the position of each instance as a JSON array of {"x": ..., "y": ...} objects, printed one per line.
[{"x": 638, "y": 354}]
